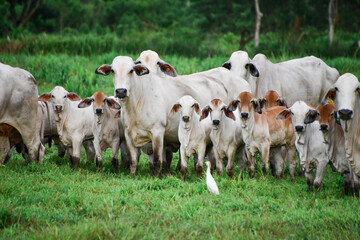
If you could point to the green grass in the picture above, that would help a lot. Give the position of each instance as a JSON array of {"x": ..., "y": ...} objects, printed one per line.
[{"x": 54, "y": 201}]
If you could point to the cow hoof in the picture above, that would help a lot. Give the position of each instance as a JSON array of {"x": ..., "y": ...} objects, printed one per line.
[{"x": 75, "y": 162}]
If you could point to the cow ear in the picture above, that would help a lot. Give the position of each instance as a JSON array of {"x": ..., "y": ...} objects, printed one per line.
[
  {"x": 233, "y": 105},
  {"x": 197, "y": 108},
  {"x": 141, "y": 70},
  {"x": 205, "y": 112},
  {"x": 256, "y": 106},
  {"x": 227, "y": 65},
  {"x": 86, "y": 102},
  {"x": 311, "y": 116},
  {"x": 112, "y": 103},
  {"x": 253, "y": 70},
  {"x": 284, "y": 114},
  {"x": 73, "y": 97},
  {"x": 331, "y": 94},
  {"x": 229, "y": 113},
  {"x": 44, "y": 97},
  {"x": 282, "y": 102},
  {"x": 175, "y": 108},
  {"x": 104, "y": 70},
  {"x": 167, "y": 69},
  {"x": 118, "y": 114},
  {"x": 262, "y": 102}
]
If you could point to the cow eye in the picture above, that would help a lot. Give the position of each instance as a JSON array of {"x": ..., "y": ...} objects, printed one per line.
[
  {"x": 358, "y": 89},
  {"x": 336, "y": 89},
  {"x": 131, "y": 71},
  {"x": 65, "y": 96},
  {"x": 112, "y": 71},
  {"x": 52, "y": 96}
]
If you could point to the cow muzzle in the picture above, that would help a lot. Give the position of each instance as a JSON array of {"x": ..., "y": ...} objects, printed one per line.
[
  {"x": 299, "y": 128},
  {"x": 324, "y": 127},
  {"x": 98, "y": 111},
  {"x": 345, "y": 114},
  {"x": 216, "y": 122},
  {"x": 245, "y": 115},
  {"x": 121, "y": 92},
  {"x": 186, "y": 118},
  {"x": 58, "y": 108}
]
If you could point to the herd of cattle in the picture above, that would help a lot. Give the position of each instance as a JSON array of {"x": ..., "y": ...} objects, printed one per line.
[{"x": 240, "y": 108}]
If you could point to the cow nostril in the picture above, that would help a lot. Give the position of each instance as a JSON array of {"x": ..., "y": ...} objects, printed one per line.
[
  {"x": 98, "y": 111},
  {"x": 345, "y": 114},
  {"x": 244, "y": 115},
  {"x": 323, "y": 127},
  {"x": 121, "y": 92},
  {"x": 186, "y": 118},
  {"x": 299, "y": 128},
  {"x": 58, "y": 107},
  {"x": 216, "y": 122}
]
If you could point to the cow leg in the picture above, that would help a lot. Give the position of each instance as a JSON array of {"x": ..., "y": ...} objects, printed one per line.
[
  {"x": 252, "y": 162},
  {"x": 167, "y": 159},
  {"x": 4, "y": 148},
  {"x": 98, "y": 153},
  {"x": 157, "y": 146},
  {"x": 292, "y": 161},
  {"x": 125, "y": 155},
  {"x": 115, "y": 155},
  {"x": 211, "y": 155},
  {"x": 76, "y": 152},
  {"x": 219, "y": 165},
  {"x": 41, "y": 153},
  {"x": 230, "y": 163},
  {"x": 200, "y": 161},
  {"x": 309, "y": 179},
  {"x": 356, "y": 185},
  {"x": 183, "y": 161},
  {"x": 347, "y": 184},
  {"x": 320, "y": 172},
  {"x": 89, "y": 150},
  {"x": 265, "y": 158},
  {"x": 134, "y": 153},
  {"x": 242, "y": 160}
]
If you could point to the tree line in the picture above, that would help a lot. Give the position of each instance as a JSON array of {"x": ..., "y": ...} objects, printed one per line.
[{"x": 244, "y": 23}]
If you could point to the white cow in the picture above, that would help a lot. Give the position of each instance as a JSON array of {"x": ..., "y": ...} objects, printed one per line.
[
  {"x": 345, "y": 94},
  {"x": 313, "y": 152},
  {"x": 146, "y": 100},
  {"x": 225, "y": 136},
  {"x": 307, "y": 79},
  {"x": 194, "y": 135},
  {"x": 74, "y": 125},
  {"x": 19, "y": 107},
  {"x": 107, "y": 127},
  {"x": 335, "y": 140}
]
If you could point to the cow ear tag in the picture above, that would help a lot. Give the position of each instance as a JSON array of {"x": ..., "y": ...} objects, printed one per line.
[{"x": 331, "y": 102}]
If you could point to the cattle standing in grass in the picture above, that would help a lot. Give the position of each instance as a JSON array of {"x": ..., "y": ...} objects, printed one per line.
[
  {"x": 146, "y": 100},
  {"x": 107, "y": 127},
  {"x": 345, "y": 94},
  {"x": 307, "y": 79},
  {"x": 19, "y": 107},
  {"x": 335, "y": 140},
  {"x": 74, "y": 125},
  {"x": 313, "y": 152},
  {"x": 262, "y": 131},
  {"x": 226, "y": 136},
  {"x": 194, "y": 135}
]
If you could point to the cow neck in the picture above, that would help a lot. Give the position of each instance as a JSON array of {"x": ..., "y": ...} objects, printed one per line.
[
  {"x": 222, "y": 130},
  {"x": 190, "y": 128},
  {"x": 331, "y": 139},
  {"x": 61, "y": 117}
]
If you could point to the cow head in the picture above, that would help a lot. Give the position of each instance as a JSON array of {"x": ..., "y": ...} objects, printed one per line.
[
  {"x": 217, "y": 111},
  {"x": 271, "y": 99},
  {"x": 327, "y": 117},
  {"x": 240, "y": 64},
  {"x": 156, "y": 65},
  {"x": 99, "y": 101},
  {"x": 300, "y": 113},
  {"x": 345, "y": 94},
  {"x": 124, "y": 70},
  {"x": 187, "y": 105},
  {"x": 59, "y": 98},
  {"x": 247, "y": 105}
]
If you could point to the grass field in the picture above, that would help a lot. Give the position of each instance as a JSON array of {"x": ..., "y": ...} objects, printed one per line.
[{"x": 54, "y": 201}]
